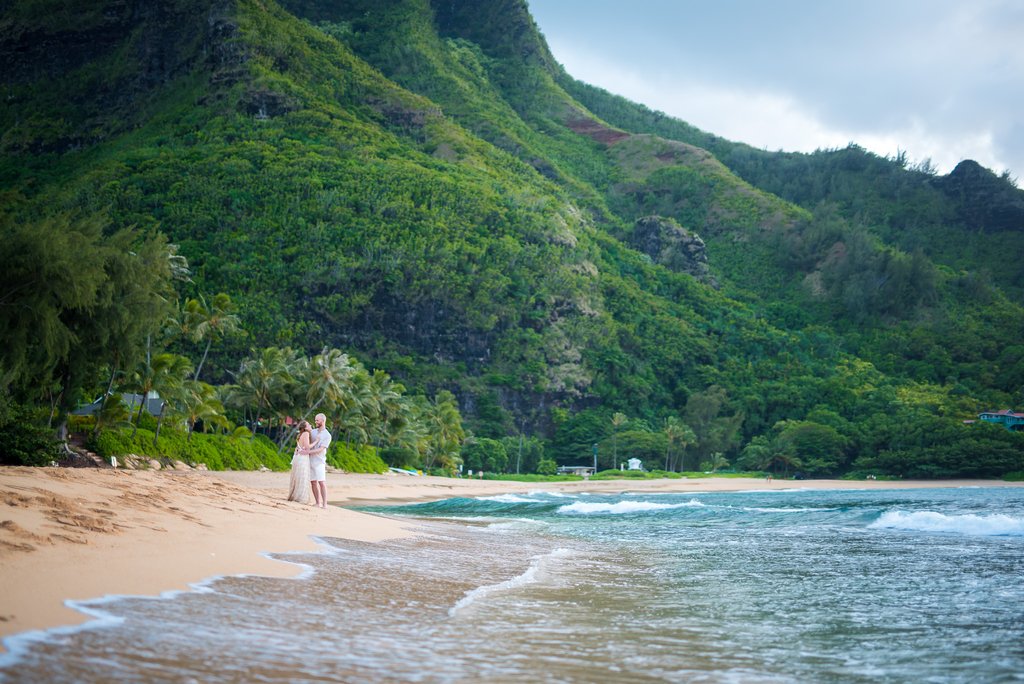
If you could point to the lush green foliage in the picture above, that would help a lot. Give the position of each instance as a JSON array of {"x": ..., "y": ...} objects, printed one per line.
[
  {"x": 488, "y": 455},
  {"x": 420, "y": 185},
  {"x": 23, "y": 441},
  {"x": 533, "y": 477},
  {"x": 218, "y": 452},
  {"x": 634, "y": 475},
  {"x": 362, "y": 459}
]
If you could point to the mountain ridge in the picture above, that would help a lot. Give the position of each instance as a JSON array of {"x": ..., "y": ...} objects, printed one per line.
[{"x": 418, "y": 181}]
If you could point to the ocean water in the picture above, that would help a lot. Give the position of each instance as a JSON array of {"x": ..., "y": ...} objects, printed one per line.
[{"x": 775, "y": 586}]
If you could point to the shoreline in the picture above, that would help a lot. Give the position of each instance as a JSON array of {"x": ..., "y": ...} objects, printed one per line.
[{"x": 80, "y": 534}]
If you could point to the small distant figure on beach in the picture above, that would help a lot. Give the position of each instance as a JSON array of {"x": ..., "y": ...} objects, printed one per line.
[
  {"x": 299, "y": 483},
  {"x": 769, "y": 478},
  {"x": 320, "y": 439}
]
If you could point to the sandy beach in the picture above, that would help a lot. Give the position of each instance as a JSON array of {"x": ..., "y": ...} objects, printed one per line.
[{"x": 75, "y": 534}]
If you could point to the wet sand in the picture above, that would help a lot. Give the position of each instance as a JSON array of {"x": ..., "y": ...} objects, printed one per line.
[{"x": 75, "y": 534}]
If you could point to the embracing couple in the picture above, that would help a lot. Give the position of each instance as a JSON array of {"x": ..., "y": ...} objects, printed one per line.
[{"x": 309, "y": 463}]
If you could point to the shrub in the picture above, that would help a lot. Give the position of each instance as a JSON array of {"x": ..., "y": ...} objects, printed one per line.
[
  {"x": 218, "y": 452},
  {"x": 120, "y": 443},
  {"x": 481, "y": 453},
  {"x": 634, "y": 475},
  {"x": 244, "y": 453},
  {"x": 81, "y": 423},
  {"x": 531, "y": 477},
  {"x": 400, "y": 458},
  {"x": 547, "y": 466},
  {"x": 620, "y": 474},
  {"x": 362, "y": 459},
  {"x": 24, "y": 440}
]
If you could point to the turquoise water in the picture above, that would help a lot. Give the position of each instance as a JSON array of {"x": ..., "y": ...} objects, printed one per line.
[{"x": 798, "y": 586}]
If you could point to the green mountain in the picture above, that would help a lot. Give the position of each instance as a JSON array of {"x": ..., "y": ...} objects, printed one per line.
[{"x": 421, "y": 184}]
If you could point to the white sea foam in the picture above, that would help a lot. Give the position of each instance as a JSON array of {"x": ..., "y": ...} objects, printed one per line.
[
  {"x": 930, "y": 521},
  {"x": 18, "y": 644},
  {"x": 621, "y": 507},
  {"x": 508, "y": 498},
  {"x": 518, "y": 524},
  {"x": 528, "y": 577},
  {"x": 785, "y": 510},
  {"x": 555, "y": 495},
  {"x": 471, "y": 518}
]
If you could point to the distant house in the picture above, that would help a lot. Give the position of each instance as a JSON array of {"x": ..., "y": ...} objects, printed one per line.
[
  {"x": 1008, "y": 418},
  {"x": 154, "y": 405},
  {"x": 635, "y": 464}
]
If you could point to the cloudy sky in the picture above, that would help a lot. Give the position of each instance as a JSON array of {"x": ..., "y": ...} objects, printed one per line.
[{"x": 938, "y": 79}]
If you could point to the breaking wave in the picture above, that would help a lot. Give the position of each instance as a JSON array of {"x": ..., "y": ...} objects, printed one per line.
[
  {"x": 930, "y": 521},
  {"x": 622, "y": 507},
  {"x": 508, "y": 498}
]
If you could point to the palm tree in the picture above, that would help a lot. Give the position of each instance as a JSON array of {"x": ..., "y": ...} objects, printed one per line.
[
  {"x": 263, "y": 381},
  {"x": 329, "y": 379},
  {"x": 785, "y": 457},
  {"x": 161, "y": 374},
  {"x": 717, "y": 462},
  {"x": 618, "y": 420},
  {"x": 676, "y": 432},
  {"x": 209, "y": 322},
  {"x": 371, "y": 405},
  {"x": 405, "y": 429},
  {"x": 389, "y": 407},
  {"x": 326, "y": 378},
  {"x": 687, "y": 438},
  {"x": 351, "y": 414},
  {"x": 444, "y": 427},
  {"x": 112, "y": 414},
  {"x": 198, "y": 401}
]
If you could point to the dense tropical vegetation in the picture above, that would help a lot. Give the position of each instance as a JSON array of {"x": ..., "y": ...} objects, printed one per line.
[{"x": 408, "y": 216}]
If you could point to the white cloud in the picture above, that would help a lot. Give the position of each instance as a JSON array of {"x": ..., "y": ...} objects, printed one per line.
[
  {"x": 944, "y": 151},
  {"x": 780, "y": 121}
]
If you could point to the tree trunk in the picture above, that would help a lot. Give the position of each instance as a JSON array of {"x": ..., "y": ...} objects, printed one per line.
[
  {"x": 295, "y": 428},
  {"x": 60, "y": 410},
  {"x": 142, "y": 404},
  {"x": 159, "y": 422},
  {"x": 54, "y": 408},
  {"x": 519, "y": 457},
  {"x": 138, "y": 416},
  {"x": 103, "y": 401},
  {"x": 203, "y": 360}
]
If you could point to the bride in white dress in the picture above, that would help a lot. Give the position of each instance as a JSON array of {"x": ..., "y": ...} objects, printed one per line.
[{"x": 299, "y": 488}]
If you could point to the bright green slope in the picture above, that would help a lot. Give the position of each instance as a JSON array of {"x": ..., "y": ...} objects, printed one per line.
[{"x": 421, "y": 183}]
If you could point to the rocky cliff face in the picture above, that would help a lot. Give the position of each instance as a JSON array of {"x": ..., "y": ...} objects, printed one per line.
[
  {"x": 672, "y": 246},
  {"x": 77, "y": 76}
]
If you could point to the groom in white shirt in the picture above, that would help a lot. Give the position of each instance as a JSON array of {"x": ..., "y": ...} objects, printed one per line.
[{"x": 320, "y": 439}]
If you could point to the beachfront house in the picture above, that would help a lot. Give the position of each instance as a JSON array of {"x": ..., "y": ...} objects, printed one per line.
[
  {"x": 635, "y": 464},
  {"x": 154, "y": 405},
  {"x": 1011, "y": 420}
]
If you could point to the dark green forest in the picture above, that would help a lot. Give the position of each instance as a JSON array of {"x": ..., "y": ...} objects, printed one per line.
[{"x": 406, "y": 214}]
